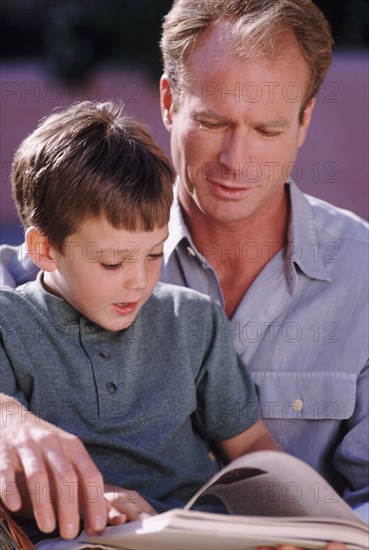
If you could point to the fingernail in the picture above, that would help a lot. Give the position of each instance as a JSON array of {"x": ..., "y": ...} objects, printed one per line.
[
  {"x": 100, "y": 523},
  {"x": 46, "y": 524},
  {"x": 69, "y": 531}
]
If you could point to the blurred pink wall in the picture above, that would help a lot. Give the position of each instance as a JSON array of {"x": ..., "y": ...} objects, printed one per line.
[{"x": 332, "y": 164}]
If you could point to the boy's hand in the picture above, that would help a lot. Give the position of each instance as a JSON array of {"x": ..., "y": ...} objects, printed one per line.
[
  {"x": 47, "y": 472},
  {"x": 124, "y": 504}
]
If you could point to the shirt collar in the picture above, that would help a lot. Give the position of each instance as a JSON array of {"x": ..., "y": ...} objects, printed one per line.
[
  {"x": 178, "y": 231},
  {"x": 302, "y": 236},
  {"x": 63, "y": 313}
]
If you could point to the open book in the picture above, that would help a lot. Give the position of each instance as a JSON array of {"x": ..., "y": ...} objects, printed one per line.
[{"x": 264, "y": 498}]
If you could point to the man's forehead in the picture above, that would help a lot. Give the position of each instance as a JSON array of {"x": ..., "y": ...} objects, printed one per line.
[
  {"x": 219, "y": 45},
  {"x": 211, "y": 73}
]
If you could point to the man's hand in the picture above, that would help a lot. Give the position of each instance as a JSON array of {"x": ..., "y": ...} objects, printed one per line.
[{"x": 47, "y": 473}]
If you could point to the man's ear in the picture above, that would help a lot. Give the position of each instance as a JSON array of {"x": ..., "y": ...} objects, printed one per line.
[
  {"x": 306, "y": 119},
  {"x": 166, "y": 102},
  {"x": 39, "y": 249}
]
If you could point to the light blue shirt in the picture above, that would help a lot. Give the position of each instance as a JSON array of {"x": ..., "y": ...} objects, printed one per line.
[{"x": 302, "y": 330}]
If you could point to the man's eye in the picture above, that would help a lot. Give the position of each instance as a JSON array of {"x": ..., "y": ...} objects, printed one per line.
[
  {"x": 210, "y": 125},
  {"x": 111, "y": 267},
  {"x": 267, "y": 133}
]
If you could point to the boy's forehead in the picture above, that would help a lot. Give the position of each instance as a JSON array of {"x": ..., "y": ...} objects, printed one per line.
[{"x": 99, "y": 232}]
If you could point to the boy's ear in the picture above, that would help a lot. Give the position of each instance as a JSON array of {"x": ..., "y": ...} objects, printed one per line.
[
  {"x": 166, "y": 102},
  {"x": 39, "y": 249}
]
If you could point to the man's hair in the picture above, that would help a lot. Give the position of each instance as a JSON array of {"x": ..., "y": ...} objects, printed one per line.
[
  {"x": 91, "y": 160},
  {"x": 257, "y": 26}
]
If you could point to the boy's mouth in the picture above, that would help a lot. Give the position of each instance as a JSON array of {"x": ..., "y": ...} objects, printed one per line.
[{"x": 125, "y": 308}]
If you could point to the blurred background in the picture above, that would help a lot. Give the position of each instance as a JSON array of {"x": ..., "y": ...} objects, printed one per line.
[{"x": 56, "y": 52}]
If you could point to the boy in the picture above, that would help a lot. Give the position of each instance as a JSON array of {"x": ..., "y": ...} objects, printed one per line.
[{"x": 140, "y": 372}]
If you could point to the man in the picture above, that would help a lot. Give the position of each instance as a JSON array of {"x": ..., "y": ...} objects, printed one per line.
[
  {"x": 289, "y": 270},
  {"x": 280, "y": 263}
]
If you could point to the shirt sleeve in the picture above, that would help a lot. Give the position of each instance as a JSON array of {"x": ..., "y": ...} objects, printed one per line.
[
  {"x": 351, "y": 458},
  {"x": 227, "y": 401},
  {"x": 362, "y": 511},
  {"x": 8, "y": 383},
  {"x": 16, "y": 267}
]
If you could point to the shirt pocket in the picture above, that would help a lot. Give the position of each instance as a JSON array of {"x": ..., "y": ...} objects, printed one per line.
[{"x": 308, "y": 396}]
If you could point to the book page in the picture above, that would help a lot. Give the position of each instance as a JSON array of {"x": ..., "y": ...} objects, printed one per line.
[
  {"x": 186, "y": 530},
  {"x": 272, "y": 483}
]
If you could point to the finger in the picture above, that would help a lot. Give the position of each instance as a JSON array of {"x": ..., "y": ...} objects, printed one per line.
[
  {"x": 335, "y": 546},
  {"x": 130, "y": 503},
  {"x": 91, "y": 490},
  {"x": 9, "y": 493},
  {"x": 138, "y": 504},
  {"x": 116, "y": 518},
  {"x": 37, "y": 479},
  {"x": 62, "y": 490}
]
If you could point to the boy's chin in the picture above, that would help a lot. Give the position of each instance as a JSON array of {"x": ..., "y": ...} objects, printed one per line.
[
  {"x": 117, "y": 326},
  {"x": 113, "y": 323}
]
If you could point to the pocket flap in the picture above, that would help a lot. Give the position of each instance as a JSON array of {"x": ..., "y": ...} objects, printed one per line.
[{"x": 309, "y": 396}]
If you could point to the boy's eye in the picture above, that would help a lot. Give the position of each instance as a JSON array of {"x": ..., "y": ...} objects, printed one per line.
[
  {"x": 156, "y": 256},
  {"x": 111, "y": 267}
]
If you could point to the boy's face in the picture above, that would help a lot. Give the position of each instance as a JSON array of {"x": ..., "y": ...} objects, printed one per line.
[{"x": 107, "y": 274}]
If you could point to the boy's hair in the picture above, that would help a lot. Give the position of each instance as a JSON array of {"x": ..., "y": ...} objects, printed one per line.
[
  {"x": 256, "y": 29},
  {"x": 91, "y": 160}
]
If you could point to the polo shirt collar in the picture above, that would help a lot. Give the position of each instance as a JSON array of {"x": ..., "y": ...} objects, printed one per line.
[{"x": 57, "y": 308}]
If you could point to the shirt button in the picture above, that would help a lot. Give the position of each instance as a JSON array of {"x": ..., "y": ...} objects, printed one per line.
[
  {"x": 298, "y": 405},
  {"x": 111, "y": 387},
  {"x": 90, "y": 328},
  {"x": 103, "y": 354},
  {"x": 190, "y": 251}
]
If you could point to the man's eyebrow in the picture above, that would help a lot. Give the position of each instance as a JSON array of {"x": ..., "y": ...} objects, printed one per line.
[
  {"x": 209, "y": 113},
  {"x": 277, "y": 123}
]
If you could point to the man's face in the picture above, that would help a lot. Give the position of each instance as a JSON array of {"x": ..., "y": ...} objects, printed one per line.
[
  {"x": 107, "y": 274},
  {"x": 236, "y": 130}
]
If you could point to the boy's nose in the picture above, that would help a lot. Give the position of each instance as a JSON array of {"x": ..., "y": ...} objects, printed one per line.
[{"x": 136, "y": 276}]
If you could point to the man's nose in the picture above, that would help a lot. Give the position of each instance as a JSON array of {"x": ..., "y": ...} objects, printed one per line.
[{"x": 235, "y": 154}]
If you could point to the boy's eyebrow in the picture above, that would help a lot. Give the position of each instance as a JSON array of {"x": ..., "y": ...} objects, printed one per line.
[{"x": 127, "y": 248}]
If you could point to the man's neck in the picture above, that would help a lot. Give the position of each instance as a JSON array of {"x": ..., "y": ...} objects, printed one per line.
[{"x": 239, "y": 251}]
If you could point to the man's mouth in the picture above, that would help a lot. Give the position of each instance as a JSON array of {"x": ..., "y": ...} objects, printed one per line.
[{"x": 228, "y": 192}]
